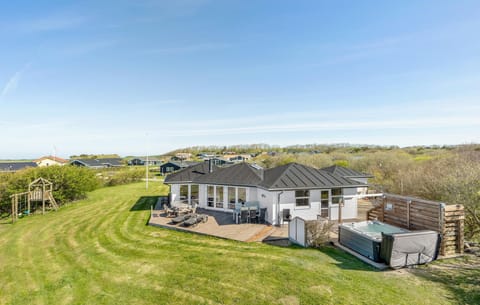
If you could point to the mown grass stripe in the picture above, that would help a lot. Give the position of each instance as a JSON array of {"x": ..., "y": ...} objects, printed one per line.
[{"x": 99, "y": 251}]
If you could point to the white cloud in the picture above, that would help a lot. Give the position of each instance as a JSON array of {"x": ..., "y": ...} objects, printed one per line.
[{"x": 13, "y": 82}]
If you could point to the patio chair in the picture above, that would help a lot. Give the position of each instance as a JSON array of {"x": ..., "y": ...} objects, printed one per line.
[
  {"x": 171, "y": 213},
  {"x": 287, "y": 217},
  {"x": 263, "y": 213},
  {"x": 243, "y": 215},
  {"x": 252, "y": 216}
]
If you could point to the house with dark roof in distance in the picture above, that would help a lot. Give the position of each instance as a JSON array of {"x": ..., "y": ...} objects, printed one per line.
[
  {"x": 205, "y": 156},
  {"x": 304, "y": 191},
  {"x": 143, "y": 161},
  {"x": 15, "y": 166},
  {"x": 173, "y": 166},
  {"x": 98, "y": 163},
  {"x": 237, "y": 157},
  {"x": 220, "y": 161},
  {"x": 50, "y": 160},
  {"x": 350, "y": 174}
]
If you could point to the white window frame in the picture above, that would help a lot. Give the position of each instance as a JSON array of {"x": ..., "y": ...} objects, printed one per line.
[
  {"x": 340, "y": 197},
  {"x": 307, "y": 206}
]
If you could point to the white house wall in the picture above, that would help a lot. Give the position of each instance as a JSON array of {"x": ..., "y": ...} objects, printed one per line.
[
  {"x": 287, "y": 201},
  {"x": 361, "y": 190},
  {"x": 175, "y": 192},
  {"x": 202, "y": 195},
  {"x": 268, "y": 200},
  {"x": 48, "y": 162},
  {"x": 349, "y": 210}
]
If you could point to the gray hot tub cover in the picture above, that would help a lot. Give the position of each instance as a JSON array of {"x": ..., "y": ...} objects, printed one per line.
[{"x": 405, "y": 249}]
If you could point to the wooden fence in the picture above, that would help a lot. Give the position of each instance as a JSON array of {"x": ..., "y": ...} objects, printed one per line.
[{"x": 418, "y": 214}]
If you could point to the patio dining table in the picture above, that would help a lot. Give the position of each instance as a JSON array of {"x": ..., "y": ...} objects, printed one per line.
[{"x": 249, "y": 205}]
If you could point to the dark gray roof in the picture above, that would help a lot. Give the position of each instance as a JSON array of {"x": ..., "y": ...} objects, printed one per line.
[
  {"x": 294, "y": 175},
  {"x": 100, "y": 162},
  {"x": 181, "y": 164},
  {"x": 190, "y": 173},
  {"x": 290, "y": 176},
  {"x": 112, "y": 161},
  {"x": 88, "y": 162},
  {"x": 239, "y": 174},
  {"x": 145, "y": 159},
  {"x": 15, "y": 166},
  {"x": 346, "y": 172}
]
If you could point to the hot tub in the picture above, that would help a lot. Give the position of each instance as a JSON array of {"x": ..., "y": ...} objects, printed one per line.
[{"x": 365, "y": 237}]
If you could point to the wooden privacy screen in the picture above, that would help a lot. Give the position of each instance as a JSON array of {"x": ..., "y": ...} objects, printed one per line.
[{"x": 418, "y": 214}]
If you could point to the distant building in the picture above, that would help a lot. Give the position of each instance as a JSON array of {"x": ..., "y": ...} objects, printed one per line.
[
  {"x": 220, "y": 161},
  {"x": 15, "y": 166},
  {"x": 50, "y": 160},
  {"x": 173, "y": 166},
  {"x": 352, "y": 175},
  {"x": 143, "y": 161},
  {"x": 98, "y": 163},
  {"x": 183, "y": 156},
  {"x": 206, "y": 156},
  {"x": 237, "y": 157}
]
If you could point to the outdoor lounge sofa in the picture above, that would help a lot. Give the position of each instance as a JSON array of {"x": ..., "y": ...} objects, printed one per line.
[
  {"x": 182, "y": 218},
  {"x": 195, "y": 219}
]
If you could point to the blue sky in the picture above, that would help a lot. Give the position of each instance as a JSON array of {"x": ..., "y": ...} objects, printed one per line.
[{"x": 131, "y": 76}]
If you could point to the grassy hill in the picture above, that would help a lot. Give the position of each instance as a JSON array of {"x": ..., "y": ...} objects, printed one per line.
[{"x": 99, "y": 251}]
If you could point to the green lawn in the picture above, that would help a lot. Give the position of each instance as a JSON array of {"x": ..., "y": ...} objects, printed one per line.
[{"x": 99, "y": 251}]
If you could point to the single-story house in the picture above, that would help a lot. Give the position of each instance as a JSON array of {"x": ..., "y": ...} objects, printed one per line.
[
  {"x": 50, "y": 160},
  {"x": 143, "y": 161},
  {"x": 237, "y": 157},
  {"x": 183, "y": 156},
  {"x": 173, "y": 166},
  {"x": 205, "y": 156},
  {"x": 15, "y": 166},
  {"x": 350, "y": 174},
  {"x": 220, "y": 161},
  {"x": 98, "y": 163},
  {"x": 305, "y": 191}
]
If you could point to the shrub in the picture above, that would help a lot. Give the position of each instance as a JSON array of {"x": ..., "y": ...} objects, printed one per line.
[
  {"x": 69, "y": 182},
  {"x": 318, "y": 232},
  {"x": 123, "y": 176}
]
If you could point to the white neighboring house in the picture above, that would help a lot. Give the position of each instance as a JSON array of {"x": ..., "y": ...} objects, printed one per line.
[
  {"x": 350, "y": 174},
  {"x": 306, "y": 191},
  {"x": 50, "y": 160}
]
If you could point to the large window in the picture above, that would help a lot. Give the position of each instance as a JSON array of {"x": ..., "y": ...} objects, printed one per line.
[
  {"x": 219, "y": 197},
  {"x": 242, "y": 194},
  {"x": 210, "y": 195},
  {"x": 184, "y": 193},
  {"x": 231, "y": 198},
  {"x": 336, "y": 196},
  {"x": 194, "y": 193},
  {"x": 302, "y": 198}
]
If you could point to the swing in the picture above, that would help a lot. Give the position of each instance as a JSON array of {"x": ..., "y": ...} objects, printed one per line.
[
  {"x": 39, "y": 191},
  {"x": 26, "y": 208}
]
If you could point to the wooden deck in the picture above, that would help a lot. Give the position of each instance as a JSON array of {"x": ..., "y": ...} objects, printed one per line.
[
  {"x": 222, "y": 225},
  {"x": 219, "y": 224}
]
